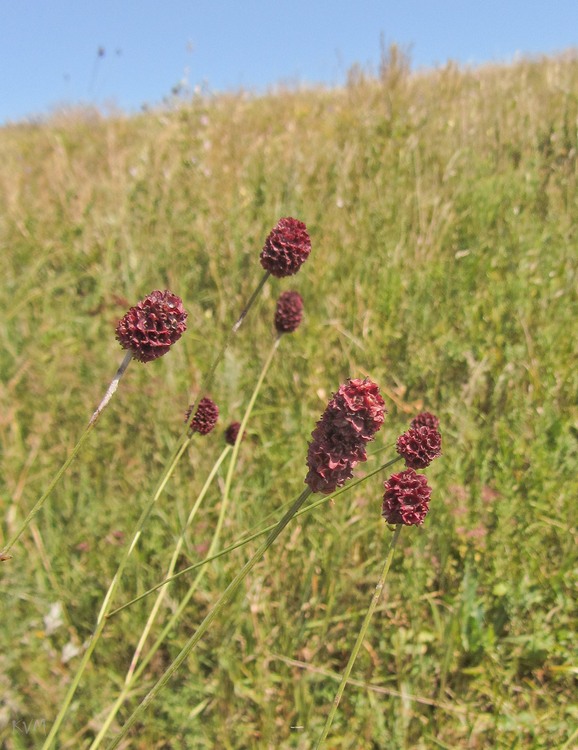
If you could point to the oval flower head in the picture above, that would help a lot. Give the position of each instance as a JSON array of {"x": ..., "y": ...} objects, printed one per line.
[
  {"x": 286, "y": 248},
  {"x": 406, "y": 498},
  {"x": 350, "y": 421},
  {"x": 419, "y": 446},
  {"x": 205, "y": 417},
  {"x": 289, "y": 312},
  {"x": 152, "y": 326}
]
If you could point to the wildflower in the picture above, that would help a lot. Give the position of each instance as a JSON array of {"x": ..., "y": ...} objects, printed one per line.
[
  {"x": 205, "y": 417},
  {"x": 406, "y": 498},
  {"x": 289, "y": 312},
  {"x": 352, "y": 417},
  {"x": 419, "y": 446},
  {"x": 152, "y": 326},
  {"x": 231, "y": 433},
  {"x": 286, "y": 248},
  {"x": 425, "y": 419}
]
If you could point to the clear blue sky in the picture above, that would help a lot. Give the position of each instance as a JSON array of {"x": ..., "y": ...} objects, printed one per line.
[{"x": 49, "y": 53}]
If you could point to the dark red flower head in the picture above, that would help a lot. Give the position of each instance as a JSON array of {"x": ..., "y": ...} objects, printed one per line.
[
  {"x": 152, "y": 326},
  {"x": 359, "y": 405},
  {"x": 425, "y": 419},
  {"x": 406, "y": 498},
  {"x": 352, "y": 417},
  {"x": 419, "y": 446},
  {"x": 289, "y": 312},
  {"x": 286, "y": 248},
  {"x": 231, "y": 433},
  {"x": 205, "y": 417}
]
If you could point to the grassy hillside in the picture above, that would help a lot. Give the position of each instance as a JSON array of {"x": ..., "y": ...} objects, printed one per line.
[{"x": 443, "y": 209}]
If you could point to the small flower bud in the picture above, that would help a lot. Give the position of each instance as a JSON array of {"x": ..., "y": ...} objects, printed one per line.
[
  {"x": 205, "y": 417},
  {"x": 231, "y": 433},
  {"x": 289, "y": 312}
]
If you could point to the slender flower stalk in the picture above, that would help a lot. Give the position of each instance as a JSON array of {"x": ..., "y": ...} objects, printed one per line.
[
  {"x": 361, "y": 636},
  {"x": 129, "y": 681},
  {"x": 252, "y": 536},
  {"x": 205, "y": 413},
  {"x": 357, "y": 409},
  {"x": 222, "y": 602},
  {"x": 105, "y": 607}
]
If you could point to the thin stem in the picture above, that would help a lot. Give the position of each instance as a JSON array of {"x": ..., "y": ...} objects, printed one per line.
[
  {"x": 88, "y": 429},
  {"x": 101, "y": 619},
  {"x": 255, "y": 535},
  {"x": 223, "y": 600},
  {"x": 131, "y": 676},
  {"x": 128, "y": 680},
  {"x": 361, "y": 636},
  {"x": 112, "y": 387},
  {"x": 249, "y": 304},
  {"x": 208, "y": 379}
]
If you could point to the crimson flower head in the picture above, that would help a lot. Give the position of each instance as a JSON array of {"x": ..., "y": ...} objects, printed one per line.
[
  {"x": 205, "y": 417},
  {"x": 289, "y": 312},
  {"x": 406, "y": 498},
  {"x": 352, "y": 417},
  {"x": 425, "y": 419},
  {"x": 152, "y": 326},
  {"x": 286, "y": 248},
  {"x": 419, "y": 446},
  {"x": 231, "y": 433}
]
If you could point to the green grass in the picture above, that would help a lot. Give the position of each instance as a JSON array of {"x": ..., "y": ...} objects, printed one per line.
[{"x": 443, "y": 211}]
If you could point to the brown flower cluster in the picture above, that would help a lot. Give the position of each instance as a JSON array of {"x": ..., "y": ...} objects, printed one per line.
[
  {"x": 352, "y": 417},
  {"x": 205, "y": 417},
  {"x": 286, "y": 248},
  {"x": 289, "y": 312},
  {"x": 152, "y": 326}
]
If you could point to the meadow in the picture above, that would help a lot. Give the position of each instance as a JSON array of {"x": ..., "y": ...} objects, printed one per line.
[{"x": 443, "y": 211}]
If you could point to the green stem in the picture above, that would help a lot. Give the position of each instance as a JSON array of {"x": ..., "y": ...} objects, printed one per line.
[
  {"x": 88, "y": 429},
  {"x": 223, "y": 600},
  {"x": 128, "y": 681},
  {"x": 101, "y": 619},
  {"x": 133, "y": 676},
  {"x": 251, "y": 537},
  {"x": 208, "y": 379},
  {"x": 361, "y": 636}
]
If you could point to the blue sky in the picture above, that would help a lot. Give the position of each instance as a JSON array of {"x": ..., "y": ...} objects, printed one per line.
[{"x": 128, "y": 53}]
